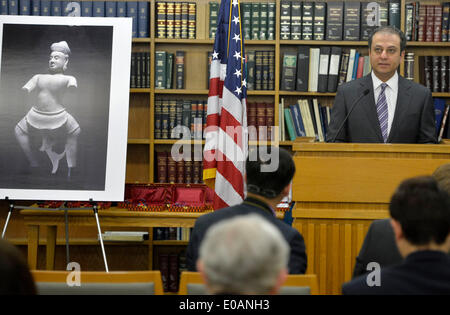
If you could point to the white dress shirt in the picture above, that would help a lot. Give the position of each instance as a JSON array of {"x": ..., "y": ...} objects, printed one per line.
[{"x": 391, "y": 93}]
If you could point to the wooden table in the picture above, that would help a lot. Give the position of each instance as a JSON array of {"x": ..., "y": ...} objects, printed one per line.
[
  {"x": 113, "y": 217},
  {"x": 51, "y": 219}
]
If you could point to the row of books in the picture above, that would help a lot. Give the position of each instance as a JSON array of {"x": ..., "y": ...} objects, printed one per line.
[
  {"x": 138, "y": 10},
  {"x": 260, "y": 119},
  {"x": 260, "y": 69},
  {"x": 171, "y": 265},
  {"x": 427, "y": 22},
  {"x": 335, "y": 20},
  {"x": 176, "y": 20},
  {"x": 257, "y": 18},
  {"x": 434, "y": 72},
  {"x": 140, "y": 70},
  {"x": 305, "y": 118},
  {"x": 441, "y": 110},
  {"x": 166, "y": 63},
  {"x": 179, "y": 172},
  {"x": 172, "y": 113},
  {"x": 321, "y": 69},
  {"x": 171, "y": 233}
]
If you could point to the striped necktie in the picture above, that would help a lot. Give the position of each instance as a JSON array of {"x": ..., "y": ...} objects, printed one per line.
[{"x": 382, "y": 111}]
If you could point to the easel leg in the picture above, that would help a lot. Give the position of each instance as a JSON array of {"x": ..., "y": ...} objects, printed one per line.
[
  {"x": 11, "y": 208},
  {"x": 101, "y": 239},
  {"x": 33, "y": 242},
  {"x": 50, "y": 249}
]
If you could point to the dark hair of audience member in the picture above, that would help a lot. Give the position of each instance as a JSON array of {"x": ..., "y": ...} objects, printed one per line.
[
  {"x": 15, "y": 276},
  {"x": 423, "y": 210}
]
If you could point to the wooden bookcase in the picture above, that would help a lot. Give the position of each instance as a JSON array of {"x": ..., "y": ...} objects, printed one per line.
[{"x": 141, "y": 143}]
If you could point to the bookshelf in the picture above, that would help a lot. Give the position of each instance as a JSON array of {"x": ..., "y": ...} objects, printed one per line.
[{"x": 142, "y": 145}]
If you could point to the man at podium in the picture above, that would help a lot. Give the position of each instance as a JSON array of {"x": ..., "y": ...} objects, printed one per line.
[{"x": 383, "y": 107}]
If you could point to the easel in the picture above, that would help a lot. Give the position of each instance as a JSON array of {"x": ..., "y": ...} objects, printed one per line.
[{"x": 66, "y": 217}]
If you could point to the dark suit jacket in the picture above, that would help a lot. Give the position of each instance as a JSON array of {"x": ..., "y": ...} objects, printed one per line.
[
  {"x": 422, "y": 272},
  {"x": 379, "y": 246},
  {"x": 414, "y": 118},
  {"x": 297, "y": 259}
]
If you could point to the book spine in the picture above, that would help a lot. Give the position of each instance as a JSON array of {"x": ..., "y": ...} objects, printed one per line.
[
  {"x": 409, "y": 11},
  {"x": 164, "y": 268},
  {"x": 171, "y": 170},
  {"x": 261, "y": 121},
  {"x": 213, "y": 19},
  {"x": 110, "y": 8},
  {"x": 271, "y": 18},
  {"x": 333, "y": 72},
  {"x": 308, "y": 20},
  {"x": 251, "y": 66},
  {"x": 86, "y": 8},
  {"x": 138, "y": 66},
  {"x": 256, "y": 11},
  {"x": 121, "y": 10},
  {"x": 169, "y": 70},
  {"x": 35, "y": 7},
  {"x": 186, "y": 118},
  {"x": 161, "y": 8},
  {"x": 270, "y": 121},
  {"x": 258, "y": 70},
  {"x": 45, "y": 8},
  {"x": 180, "y": 69},
  {"x": 180, "y": 172},
  {"x": 344, "y": 66},
  {"x": 188, "y": 171},
  {"x": 289, "y": 124},
  {"x": 445, "y": 21},
  {"x": 55, "y": 8},
  {"x": 170, "y": 20},
  {"x": 271, "y": 85},
  {"x": 158, "y": 115},
  {"x": 192, "y": 22},
  {"x": 194, "y": 109},
  {"x": 177, "y": 20},
  {"x": 302, "y": 69},
  {"x": 263, "y": 21},
  {"x": 437, "y": 32},
  {"x": 143, "y": 19},
  {"x": 161, "y": 158},
  {"x": 132, "y": 12},
  {"x": 436, "y": 73},
  {"x": 98, "y": 9},
  {"x": 172, "y": 119},
  {"x": 160, "y": 69},
  {"x": 265, "y": 70},
  {"x": 4, "y": 7},
  {"x": 24, "y": 7},
  {"x": 422, "y": 22},
  {"x": 444, "y": 74},
  {"x": 429, "y": 24},
  {"x": 320, "y": 12},
  {"x": 296, "y": 20},
  {"x": 394, "y": 13},
  {"x": 246, "y": 8},
  {"x": 324, "y": 60},
  {"x": 352, "y": 17},
  {"x": 409, "y": 66},
  {"x": 165, "y": 119},
  {"x": 335, "y": 16},
  {"x": 251, "y": 121},
  {"x": 288, "y": 71},
  {"x": 184, "y": 20},
  {"x": 285, "y": 19}
]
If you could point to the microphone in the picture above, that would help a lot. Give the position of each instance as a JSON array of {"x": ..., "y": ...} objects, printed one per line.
[{"x": 367, "y": 91}]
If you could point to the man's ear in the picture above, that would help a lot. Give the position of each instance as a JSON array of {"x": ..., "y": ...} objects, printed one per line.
[
  {"x": 201, "y": 270},
  {"x": 398, "y": 232},
  {"x": 286, "y": 189}
]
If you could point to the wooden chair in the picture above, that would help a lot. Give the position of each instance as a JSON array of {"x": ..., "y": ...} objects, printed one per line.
[
  {"x": 92, "y": 282},
  {"x": 192, "y": 282}
]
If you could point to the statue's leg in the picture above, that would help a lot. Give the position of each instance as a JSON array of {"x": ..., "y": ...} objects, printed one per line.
[
  {"x": 71, "y": 150},
  {"x": 24, "y": 141}
]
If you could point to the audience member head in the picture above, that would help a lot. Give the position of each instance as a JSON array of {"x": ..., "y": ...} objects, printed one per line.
[
  {"x": 420, "y": 213},
  {"x": 269, "y": 172},
  {"x": 243, "y": 255},
  {"x": 15, "y": 277},
  {"x": 442, "y": 176}
]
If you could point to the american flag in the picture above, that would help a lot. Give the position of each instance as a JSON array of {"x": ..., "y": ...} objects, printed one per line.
[{"x": 226, "y": 142}]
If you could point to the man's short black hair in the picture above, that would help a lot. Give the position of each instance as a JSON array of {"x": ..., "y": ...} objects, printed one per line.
[
  {"x": 269, "y": 184},
  {"x": 391, "y": 30},
  {"x": 422, "y": 209}
]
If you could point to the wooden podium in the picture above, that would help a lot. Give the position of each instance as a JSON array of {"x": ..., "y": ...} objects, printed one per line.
[{"x": 340, "y": 188}]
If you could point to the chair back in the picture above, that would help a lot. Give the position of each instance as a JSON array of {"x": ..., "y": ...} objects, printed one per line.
[
  {"x": 93, "y": 282},
  {"x": 191, "y": 283}
]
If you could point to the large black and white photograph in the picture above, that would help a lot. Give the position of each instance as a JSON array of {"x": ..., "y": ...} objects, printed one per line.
[{"x": 64, "y": 85}]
